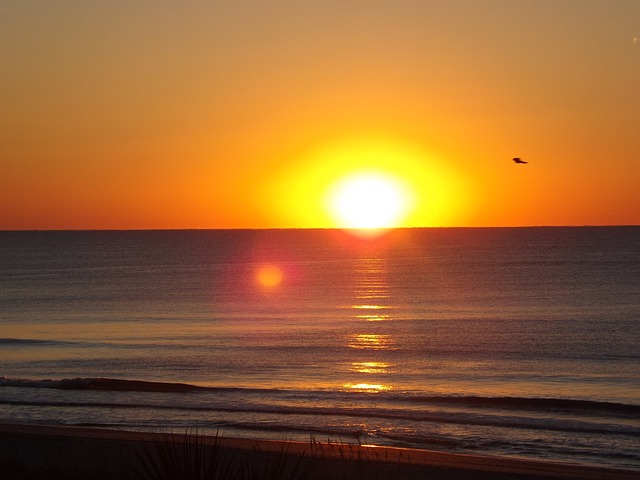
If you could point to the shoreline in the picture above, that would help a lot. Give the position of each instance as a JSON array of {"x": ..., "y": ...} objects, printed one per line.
[{"x": 66, "y": 447}]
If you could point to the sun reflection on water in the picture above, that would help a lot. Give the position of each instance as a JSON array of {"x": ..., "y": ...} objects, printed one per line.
[
  {"x": 373, "y": 318},
  {"x": 370, "y": 367},
  {"x": 368, "y": 387},
  {"x": 372, "y": 304},
  {"x": 370, "y": 341}
]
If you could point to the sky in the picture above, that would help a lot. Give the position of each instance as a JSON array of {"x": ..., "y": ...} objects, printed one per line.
[{"x": 333, "y": 113}]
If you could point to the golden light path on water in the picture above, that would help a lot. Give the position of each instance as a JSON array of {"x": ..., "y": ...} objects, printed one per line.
[
  {"x": 370, "y": 367},
  {"x": 370, "y": 287}
]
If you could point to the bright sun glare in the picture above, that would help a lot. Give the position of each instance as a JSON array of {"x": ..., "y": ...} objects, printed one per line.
[
  {"x": 368, "y": 200},
  {"x": 367, "y": 184}
]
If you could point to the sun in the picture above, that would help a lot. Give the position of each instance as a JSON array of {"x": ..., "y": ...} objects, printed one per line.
[
  {"x": 367, "y": 184},
  {"x": 368, "y": 200}
]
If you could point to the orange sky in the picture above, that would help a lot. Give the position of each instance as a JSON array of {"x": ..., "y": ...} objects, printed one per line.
[{"x": 244, "y": 114}]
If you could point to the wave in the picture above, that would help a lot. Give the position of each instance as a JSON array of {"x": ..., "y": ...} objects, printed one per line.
[
  {"x": 28, "y": 341},
  {"x": 583, "y": 417},
  {"x": 99, "y": 383},
  {"x": 559, "y": 405},
  {"x": 457, "y": 418},
  {"x": 530, "y": 403},
  {"x": 38, "y": 342}
]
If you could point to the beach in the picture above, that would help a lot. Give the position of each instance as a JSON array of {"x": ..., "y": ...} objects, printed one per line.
[{"x": 74, "y": 452}]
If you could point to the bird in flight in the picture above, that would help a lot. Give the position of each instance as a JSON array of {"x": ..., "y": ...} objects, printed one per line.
[{"x": 519, "y": 160}]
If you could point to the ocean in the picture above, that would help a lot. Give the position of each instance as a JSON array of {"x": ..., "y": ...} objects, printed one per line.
[{"x": 515, "y": 342}]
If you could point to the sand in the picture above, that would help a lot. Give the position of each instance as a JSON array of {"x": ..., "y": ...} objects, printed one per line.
[{"x": 37, "y": 451}]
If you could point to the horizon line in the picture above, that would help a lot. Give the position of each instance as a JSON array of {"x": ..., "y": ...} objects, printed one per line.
[{"x": 311, "y": 228}]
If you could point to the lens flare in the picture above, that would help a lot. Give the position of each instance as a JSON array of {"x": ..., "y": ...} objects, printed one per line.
[{"x": 269, "y": 276}]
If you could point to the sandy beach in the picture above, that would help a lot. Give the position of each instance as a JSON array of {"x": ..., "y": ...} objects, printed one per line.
[{"x": 29, "y": 451}]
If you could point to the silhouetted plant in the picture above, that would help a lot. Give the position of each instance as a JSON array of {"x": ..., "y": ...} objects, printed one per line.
[
  {"x": 192, "y": 456},
  {"x": 282, "y": 465}
]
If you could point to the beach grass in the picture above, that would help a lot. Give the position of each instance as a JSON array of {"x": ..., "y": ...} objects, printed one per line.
[
  {"x": 29, "y": 452},
  {"x": 194, "y": 457}
]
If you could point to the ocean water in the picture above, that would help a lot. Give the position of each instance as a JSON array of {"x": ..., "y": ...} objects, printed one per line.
[{"x": 519, "y": 342}]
